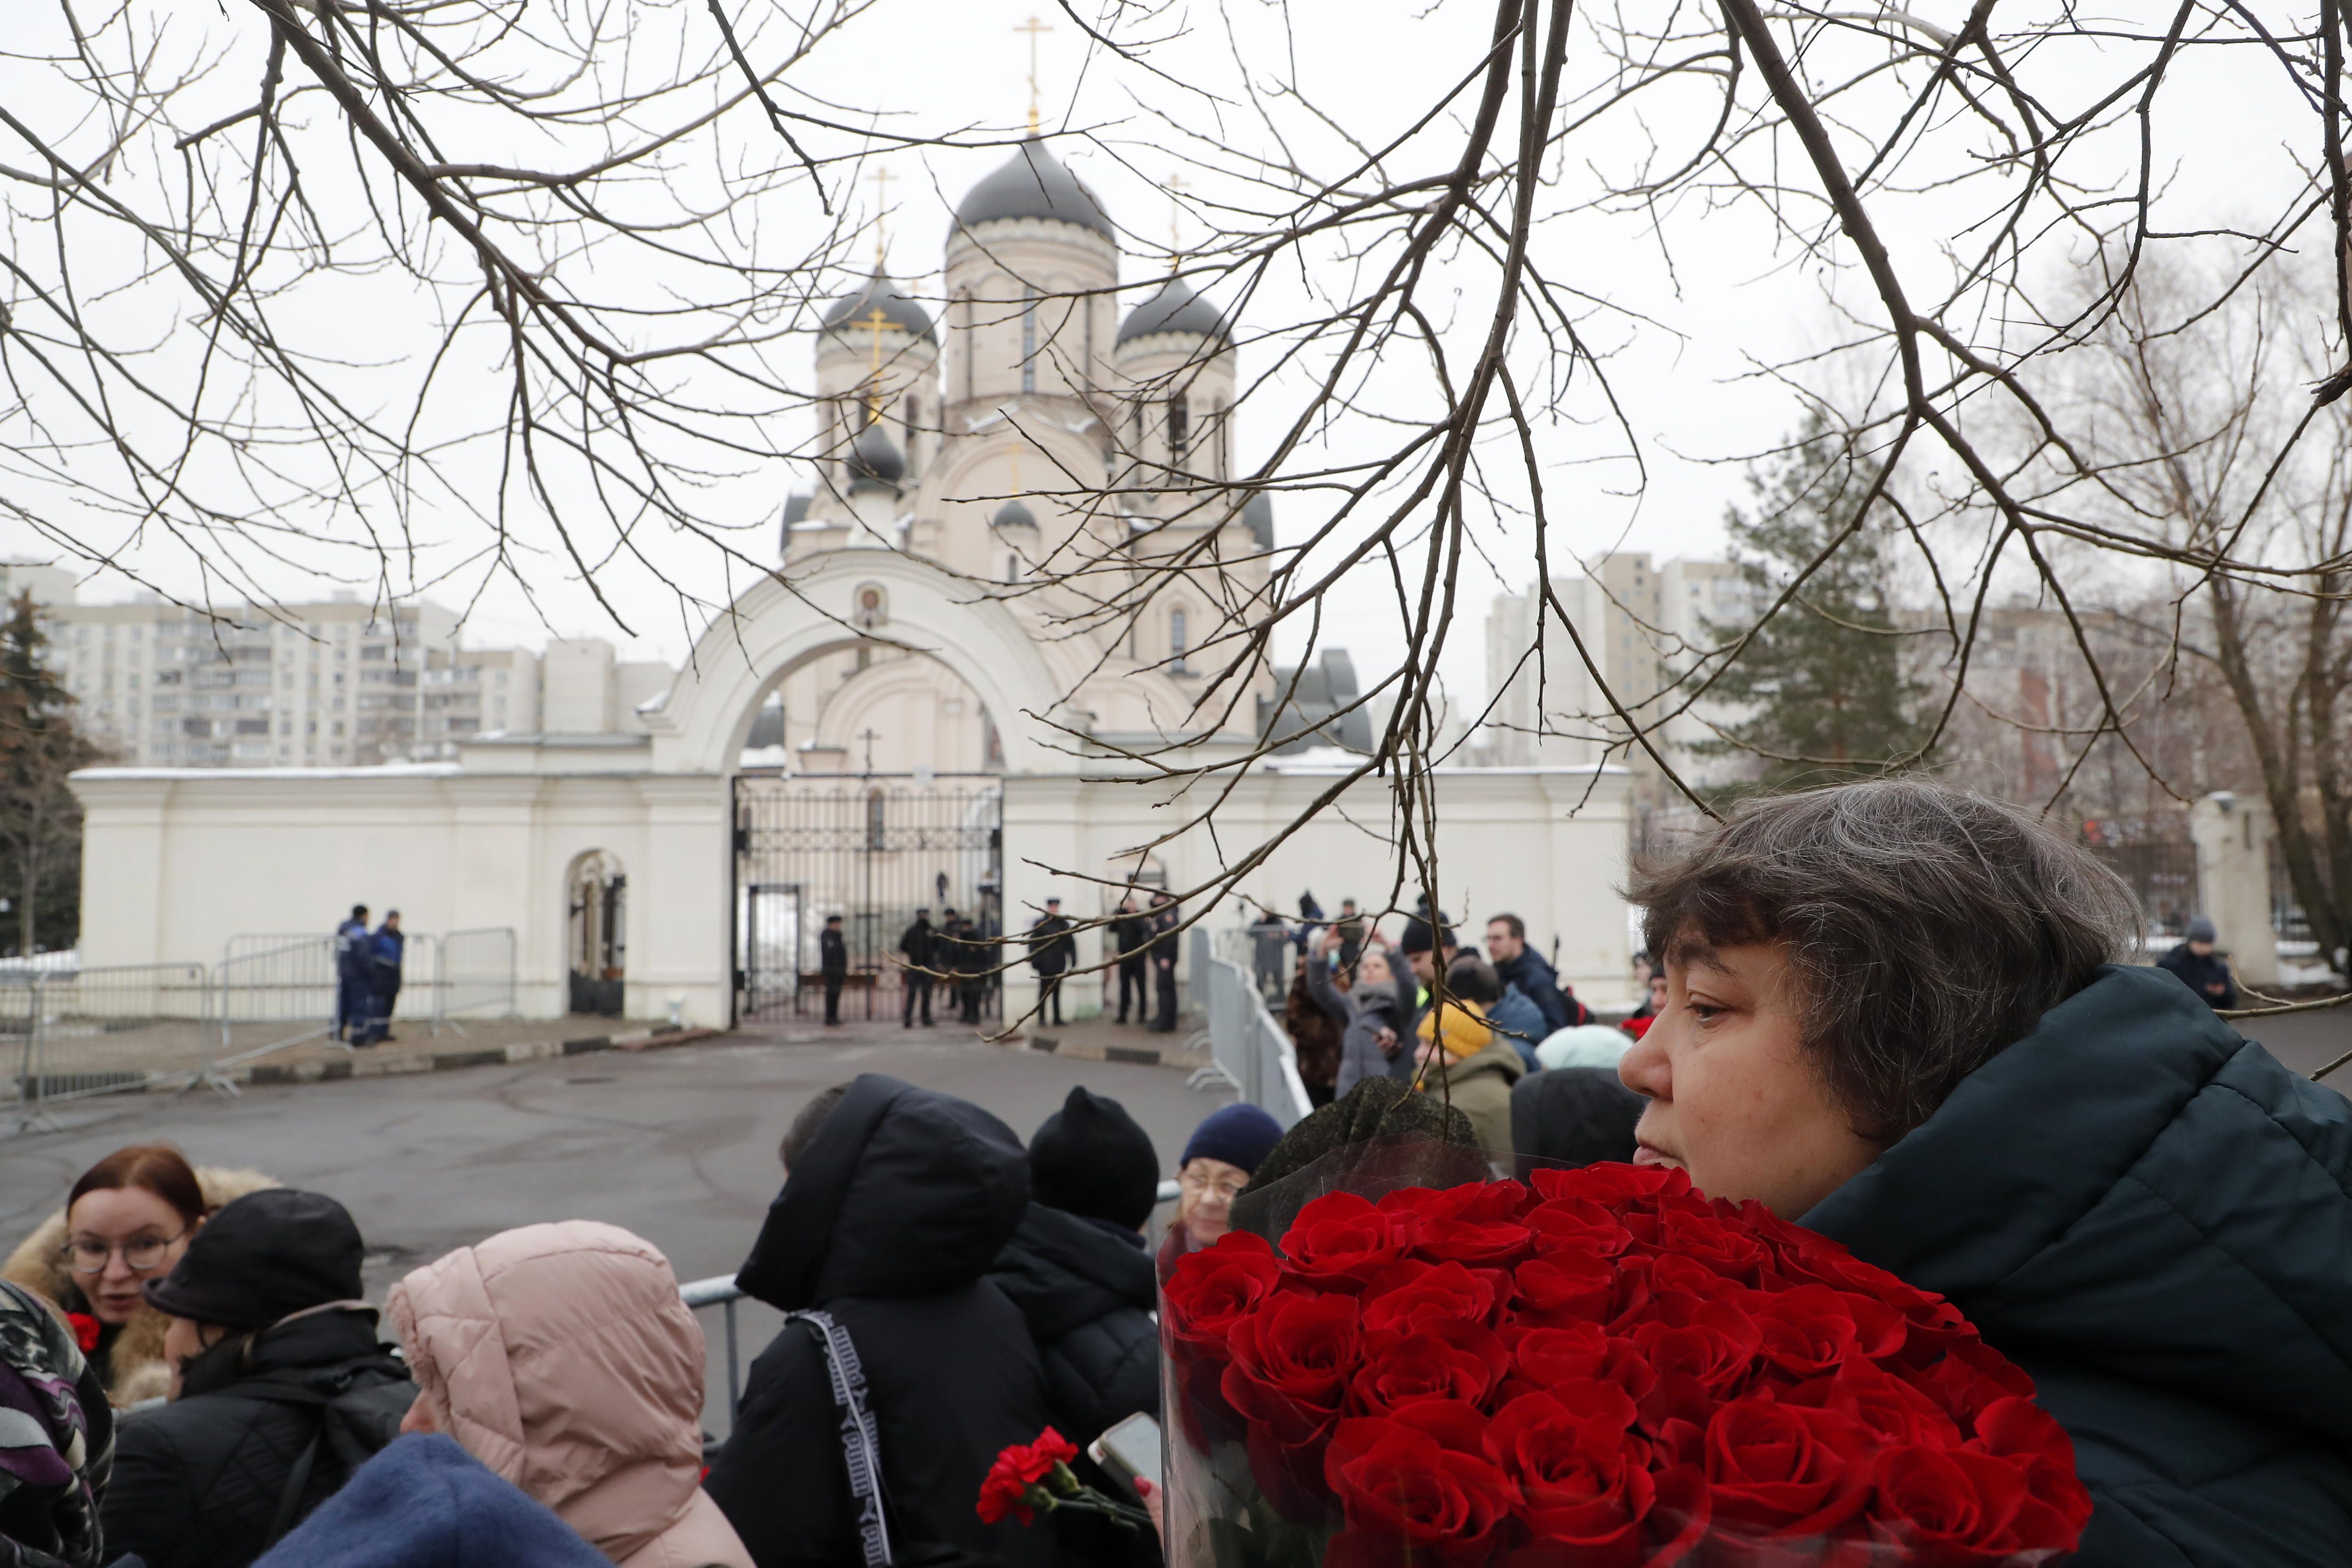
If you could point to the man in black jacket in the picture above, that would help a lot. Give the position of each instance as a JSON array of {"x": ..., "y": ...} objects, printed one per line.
[
  {"x": 1516, "y": 963},
  {"x": 1052, "y": 952},
  {"x": 1078, "y": 1269},
  {"x": 268, "y": 1332},
  {"x": 1164, "y": 921},
  {"x": 832, "y": 963},
  {"x": 917, "y": 946},
  {"x": 1129, "y": 930},
  {"x": 896, "y": 1201}
]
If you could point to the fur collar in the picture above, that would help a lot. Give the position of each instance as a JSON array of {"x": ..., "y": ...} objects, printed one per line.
[{"x": 137, "y": 1370}]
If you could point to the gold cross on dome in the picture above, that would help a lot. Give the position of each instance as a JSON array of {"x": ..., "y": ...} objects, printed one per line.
[
  {"x": 881, "y": 178},
  {"x": 1176, "y": 189},
  {"x": 874, "y": 322},
  {"x": 1032, "y": 28}
]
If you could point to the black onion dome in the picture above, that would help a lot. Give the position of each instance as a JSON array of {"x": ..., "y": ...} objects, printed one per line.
[
  {"x": 1258, "y": 516},
  {"x": 875, "y": 456},
  {"x": 1175, "y": 309},
  {"x": 848, "y": 314},
  {"x": 1013, "y": 514},
  {"x": 1032, "y": 184}
]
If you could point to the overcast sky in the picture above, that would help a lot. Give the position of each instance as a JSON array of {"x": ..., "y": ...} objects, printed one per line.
[{"x": 1721, "y": 293}]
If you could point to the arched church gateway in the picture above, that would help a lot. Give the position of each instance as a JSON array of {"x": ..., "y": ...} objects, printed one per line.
[{"x": 900, "y": 716}]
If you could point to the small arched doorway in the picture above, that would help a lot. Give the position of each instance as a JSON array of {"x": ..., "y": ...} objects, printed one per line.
[{"x": 598, "y": 940}]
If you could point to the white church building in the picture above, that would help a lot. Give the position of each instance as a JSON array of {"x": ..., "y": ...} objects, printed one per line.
[{"x": 906, "y": 714}]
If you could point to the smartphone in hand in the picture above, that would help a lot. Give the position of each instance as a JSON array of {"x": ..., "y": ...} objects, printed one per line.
[{"x": 1130, "y": 1449}]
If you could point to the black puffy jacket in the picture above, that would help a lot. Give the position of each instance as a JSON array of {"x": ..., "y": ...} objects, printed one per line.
[
  {"x": 2154, "y": 1218},
  {"x": 1089, "y": 1292},
  {"x": 888, "y": 1221},
  {"x": 1088, "y": 1295},
  {"x": 197, "y": 1483}
]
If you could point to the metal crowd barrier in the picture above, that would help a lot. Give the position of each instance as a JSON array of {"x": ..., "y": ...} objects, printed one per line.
[
  {"x": 72, "y": 1032},
  {"x": 75, "y": 1032},
  {"x": 719, "y": 1292},
  {"x": 1248, "y": 1051}
]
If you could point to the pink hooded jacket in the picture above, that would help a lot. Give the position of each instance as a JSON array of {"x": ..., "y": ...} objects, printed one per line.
[{"x": 561, "y": 1357}]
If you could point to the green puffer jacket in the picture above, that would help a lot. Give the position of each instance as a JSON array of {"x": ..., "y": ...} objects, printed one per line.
[
  {"x": 1479, "y": 1086},
  {"x": 2154, "y": 1218}
]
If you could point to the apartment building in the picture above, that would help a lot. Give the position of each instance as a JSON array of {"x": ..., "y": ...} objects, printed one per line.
[
  {"x": 332, "y": 684},
  {"x": 1643, "y": 625}
]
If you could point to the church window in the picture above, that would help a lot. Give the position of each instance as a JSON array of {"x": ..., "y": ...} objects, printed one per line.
[
  {"x": 1176, "y": 644},
  {"x": 1012, "y": 567},
  {"x": 1223, "y": 439},
  {"x": 1028, "y": 337},
  {"x": 1179, "y": 430},
  {"x": 875, "y": 833},
  {"x": 963, "y": 305}
]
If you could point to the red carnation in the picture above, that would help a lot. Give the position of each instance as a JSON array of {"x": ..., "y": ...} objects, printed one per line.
[
  {"x": 86, "y": 1331},
  {"x": 1017, "y": 1471}
]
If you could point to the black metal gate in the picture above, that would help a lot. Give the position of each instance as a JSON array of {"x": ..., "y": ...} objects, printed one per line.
[{"x": 872, "y": 849}]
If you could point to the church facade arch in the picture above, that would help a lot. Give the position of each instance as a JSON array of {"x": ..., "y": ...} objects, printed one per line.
[{"x": 773, "y": 629}]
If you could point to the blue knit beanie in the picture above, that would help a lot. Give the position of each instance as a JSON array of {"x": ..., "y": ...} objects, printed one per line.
[{"x": 1240, "y": 1135}]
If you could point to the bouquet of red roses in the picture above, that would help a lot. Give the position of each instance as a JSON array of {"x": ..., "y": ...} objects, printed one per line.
[{"x": 1596, "y": 1368}]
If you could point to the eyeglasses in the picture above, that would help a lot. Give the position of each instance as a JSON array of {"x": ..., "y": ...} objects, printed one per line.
[
  {"x": 144, "y": 1254},
  {"x": 1228, "y": 1189}
]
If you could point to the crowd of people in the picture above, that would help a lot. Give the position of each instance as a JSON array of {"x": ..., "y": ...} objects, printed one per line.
[
  {"x": 215, "y": 1391},
  {"x": 1498, "y": 1035},
  {"x": 1902, "y": 1017},
  {"x": 367, "y": 977}
]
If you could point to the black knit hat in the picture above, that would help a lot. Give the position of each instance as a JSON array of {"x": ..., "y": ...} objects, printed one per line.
[
  {"x": 262, "y": 1258},
  {"x": 1090, "y": 1158},
  {"x": 1419, "y": 938}
]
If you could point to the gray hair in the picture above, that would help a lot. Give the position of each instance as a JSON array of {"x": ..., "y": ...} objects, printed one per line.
[{"x": 1928, "y": 928}]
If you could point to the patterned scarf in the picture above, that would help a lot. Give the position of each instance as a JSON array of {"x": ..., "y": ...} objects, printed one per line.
[{"x": 51, "y": 1468}]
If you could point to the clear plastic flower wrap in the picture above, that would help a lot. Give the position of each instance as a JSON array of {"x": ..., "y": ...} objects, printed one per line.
[{"x": 1394, "y": 1360}]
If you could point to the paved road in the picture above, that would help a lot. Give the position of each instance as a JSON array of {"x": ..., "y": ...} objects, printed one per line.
[{"x": 677, "y": 1145}]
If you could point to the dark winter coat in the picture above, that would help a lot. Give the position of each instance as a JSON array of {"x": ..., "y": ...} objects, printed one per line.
[
  {"x": 1129, "y": 931},
  {"x": 831, "y": 954},
  {"x": 1088, "y": 1289},
  {"x": 388, "y": 947},
  {"x": 1519, "y": 1024},
  {"x": 1574, "y": 1115},
  {"x": 1051, "y": 950},
  {"x": 424, "y": 1502},
  {"x": 916, "y": 945},
  {"x": 2199, "y": 970},
  {"x": 2154, "y": 1218},
  {"x": 355, "y": 953},
  {"x": 1088, "y": 1293},
  {"x": 888, "y": 1221},
  {"x": 197, "y": 1482},
  {"x": 1316, "y": 1033},
  {"x": 1539, "y": 984},
  {"x": 1361, "y": 1015}
]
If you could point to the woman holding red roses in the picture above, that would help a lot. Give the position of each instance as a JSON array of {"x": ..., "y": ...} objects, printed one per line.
[{"x": 1898, "y": 1014}]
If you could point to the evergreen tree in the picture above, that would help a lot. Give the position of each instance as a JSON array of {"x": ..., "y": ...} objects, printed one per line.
[
  {"x": 1822, "y": 682},
  {"x": 41, "y": 820}
]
